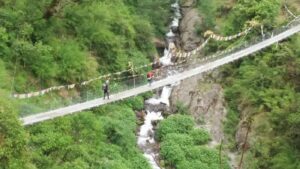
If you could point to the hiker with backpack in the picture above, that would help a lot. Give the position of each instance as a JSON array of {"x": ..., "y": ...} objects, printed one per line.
[
  {"x": 150, "y": 76},
  {"x": 105, "y": 89}
]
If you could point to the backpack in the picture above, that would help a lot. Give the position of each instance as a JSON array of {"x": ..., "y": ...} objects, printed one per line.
[{"x": 104, "y": 86}]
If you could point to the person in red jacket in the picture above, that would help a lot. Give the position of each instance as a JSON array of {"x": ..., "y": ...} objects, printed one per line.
[{"x": 150, "y": 76}]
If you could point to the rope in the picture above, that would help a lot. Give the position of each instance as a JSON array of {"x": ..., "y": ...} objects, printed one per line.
[
  {"x": 289, "y": 12},
  {"x": 228, "y": 38},
  {"x": 179, "y": 55},
  {"x": 212, "y": 35}
]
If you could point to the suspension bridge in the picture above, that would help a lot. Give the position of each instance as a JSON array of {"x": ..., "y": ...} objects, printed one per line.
[{"x": 202, "y": 67}]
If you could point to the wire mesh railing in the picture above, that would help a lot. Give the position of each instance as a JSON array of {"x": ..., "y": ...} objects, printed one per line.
[
  {"x": 63, "y": 98},
  {"x": 246, "y": 44},
  {"x": 86, "y": 93}
]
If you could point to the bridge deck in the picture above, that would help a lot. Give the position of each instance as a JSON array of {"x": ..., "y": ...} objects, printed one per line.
[{"x": 169, "y": 80}]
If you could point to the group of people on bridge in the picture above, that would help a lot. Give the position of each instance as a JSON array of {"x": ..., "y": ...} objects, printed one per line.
[{"x": 150, "y": 77}]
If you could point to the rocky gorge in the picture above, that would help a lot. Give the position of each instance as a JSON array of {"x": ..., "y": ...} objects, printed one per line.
[{"x": 202, "y": 95}]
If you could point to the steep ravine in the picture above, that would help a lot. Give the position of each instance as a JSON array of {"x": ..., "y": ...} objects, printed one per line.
[
  {"x": 201, "y": 94},
  {"x": 154, "y": 107}
]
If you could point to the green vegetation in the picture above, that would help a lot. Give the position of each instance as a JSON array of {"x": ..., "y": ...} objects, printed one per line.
[
  {"x": 208, "y": 10},
  {"x": 265, "y": 88},
  {"x": 262, "y": 11},
  {"x": 175, "y": 124},
  {"x": 13, "y": 151},
  {"x": 58, "y": 42},
  {"x": 104, "y": 138},
  {"x": 55, "y": 42},
  {"x": 153, "y": 10},
  {"x": 183, "y": 146}
]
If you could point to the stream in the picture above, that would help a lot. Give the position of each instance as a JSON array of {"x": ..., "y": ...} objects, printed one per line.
[
  {"x": 146, "y": 140},
  {"x": 171, "y": 35}
]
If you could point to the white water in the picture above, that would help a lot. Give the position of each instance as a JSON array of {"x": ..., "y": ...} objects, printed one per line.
[
  {"x": 146, "y": 135},
  {"x": 170, "y": 34},
  {"x": 175, "y": 22},
  {"x": 166, "y": 59},
  {"x": 164, "y": 98}
]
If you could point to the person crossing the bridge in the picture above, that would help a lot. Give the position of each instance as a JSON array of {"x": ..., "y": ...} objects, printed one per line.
[
  {"x": 150, "y": 76},
  {"x": 105, "y": 88}
]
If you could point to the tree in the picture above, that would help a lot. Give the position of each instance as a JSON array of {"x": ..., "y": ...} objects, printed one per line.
[
  {"x": 13, "y": 138},
  {"x": 263, "y": 11},
  {"x": 51, "y": 9},
  {"x": 208, "y": 9},
  {"x": 266, "y": 88}
]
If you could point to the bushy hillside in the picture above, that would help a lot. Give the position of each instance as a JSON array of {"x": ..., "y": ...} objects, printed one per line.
[
  {"x": 64, "y": 41},
  {"x": 51, "y": 42},
  {"x": 57, "y": 42},
  {"x": 263, "y": 91},
  {"x": 103, "y": 139},
  {"x": 183, "y": 145}
]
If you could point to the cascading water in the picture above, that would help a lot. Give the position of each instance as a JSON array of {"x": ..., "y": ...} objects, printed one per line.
[
  {"x": 171, "y": 35},
  {"x": 146, "y": 135},
  {"x": 146, "y": 139}
]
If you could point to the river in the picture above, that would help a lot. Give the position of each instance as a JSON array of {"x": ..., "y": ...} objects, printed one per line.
[{"x": 146, "y": 140}]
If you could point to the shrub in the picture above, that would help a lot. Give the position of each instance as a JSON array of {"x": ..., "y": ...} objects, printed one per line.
[
  {"x": 200, "y": 136},
  {"x": 175, "y": 124}
]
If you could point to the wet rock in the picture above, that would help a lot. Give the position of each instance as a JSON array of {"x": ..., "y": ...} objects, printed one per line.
[
  {"x": 159, "y": 43},
  {"x": 159, "y": 104},
  {"x": 150, "y": 134},
  {"x": 205, "y": 100},
  {"x": 175, "y": 29},
  {"x": 155, "y": 108},
  {"x": 154, "y": 123},
  {"x": 191, "y": 18},
  {"x": 141, "y": 114}
]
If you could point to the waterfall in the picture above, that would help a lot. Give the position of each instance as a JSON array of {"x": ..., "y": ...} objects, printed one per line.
[
  {"x": 146, "y": 139},
  {"x": 171, "y": 35}
]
